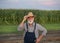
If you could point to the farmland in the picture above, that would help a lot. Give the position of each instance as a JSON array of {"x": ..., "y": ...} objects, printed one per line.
[{"x": 11, "y": 18}]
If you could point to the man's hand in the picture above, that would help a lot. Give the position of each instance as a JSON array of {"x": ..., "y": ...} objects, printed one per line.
[
  {"x": 25, "y": 17},
  {"x": 37, "y": 40}
]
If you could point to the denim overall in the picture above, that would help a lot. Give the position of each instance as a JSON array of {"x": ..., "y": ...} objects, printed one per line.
[{"x": 30, "y": 36}]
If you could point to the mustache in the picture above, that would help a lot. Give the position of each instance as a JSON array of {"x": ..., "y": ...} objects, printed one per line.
[{"x": 30, "y": 21}]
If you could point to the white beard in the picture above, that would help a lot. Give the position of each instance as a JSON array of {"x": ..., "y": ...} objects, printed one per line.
[{"x": 30, "y": 22}]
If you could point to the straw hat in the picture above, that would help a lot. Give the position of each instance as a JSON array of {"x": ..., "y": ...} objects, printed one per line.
[{"x": 30, "y": 14}]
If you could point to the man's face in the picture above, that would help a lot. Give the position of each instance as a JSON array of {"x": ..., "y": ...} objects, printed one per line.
[{"x": 30, "y": 19}]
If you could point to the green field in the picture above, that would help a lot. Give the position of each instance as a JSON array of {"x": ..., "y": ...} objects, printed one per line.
[
  {"x": 13, "y": 28},
  {"x": 52, "y": 26}
]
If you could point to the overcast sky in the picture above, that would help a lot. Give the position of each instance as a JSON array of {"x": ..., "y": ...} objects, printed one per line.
[{"x": 30, "y": 4}]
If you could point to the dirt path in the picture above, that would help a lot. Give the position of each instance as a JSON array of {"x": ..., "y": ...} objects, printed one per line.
[{"x": 52, "y": 37}]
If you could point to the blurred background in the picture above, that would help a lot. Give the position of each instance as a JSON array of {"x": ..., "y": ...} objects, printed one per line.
[{"x": 47, "y": 14}]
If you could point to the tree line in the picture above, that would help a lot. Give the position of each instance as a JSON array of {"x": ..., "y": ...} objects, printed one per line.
[{"x": 15, "y": 16}]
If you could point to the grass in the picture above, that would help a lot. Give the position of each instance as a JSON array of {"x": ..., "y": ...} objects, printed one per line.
[
  {"x": 8, "y": 28},
  {"x": 52, "y": 26},
  {"x": 13, "y": 28}
]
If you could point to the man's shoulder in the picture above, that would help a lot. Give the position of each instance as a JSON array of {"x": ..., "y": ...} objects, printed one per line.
[{"x": 38, "y": 25}]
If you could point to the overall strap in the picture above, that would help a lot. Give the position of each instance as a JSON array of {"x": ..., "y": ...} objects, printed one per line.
[
  {"x": 34, "y": 27},
  {"x": 27, "y": 26}
]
